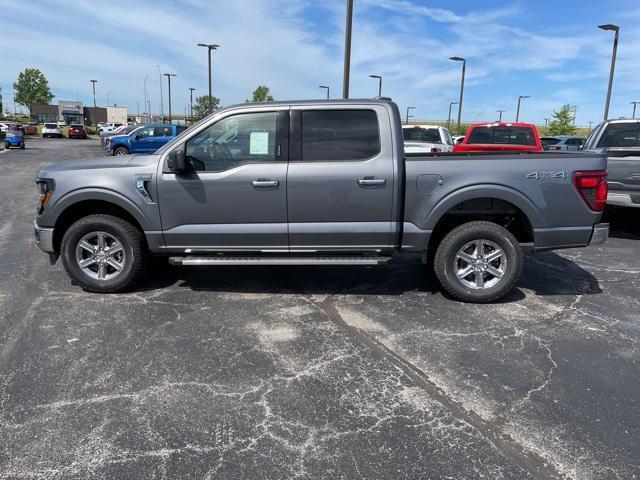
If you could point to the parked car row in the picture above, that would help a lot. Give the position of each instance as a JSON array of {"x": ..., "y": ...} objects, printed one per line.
[{"x": 142, "y": 139}]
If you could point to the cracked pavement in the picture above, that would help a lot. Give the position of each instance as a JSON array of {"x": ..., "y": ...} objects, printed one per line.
[{"x": 314, "y": 372}]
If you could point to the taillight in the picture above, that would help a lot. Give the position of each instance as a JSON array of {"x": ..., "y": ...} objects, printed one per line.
[
  {"x": 592, "y": 186},
  {"x": 434, "y": 150}
]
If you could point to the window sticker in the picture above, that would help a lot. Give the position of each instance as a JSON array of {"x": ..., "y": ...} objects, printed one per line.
[{"x": 259, "y": 143}]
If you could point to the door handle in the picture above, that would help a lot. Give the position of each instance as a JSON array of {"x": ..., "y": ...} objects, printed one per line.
[
  {"x": 264, "y": 183},
  {"x": 368, "y": 182}
]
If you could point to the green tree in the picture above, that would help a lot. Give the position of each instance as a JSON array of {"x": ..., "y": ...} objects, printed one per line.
[
  {"x": 262, "y": 94},
  {"x": 32, "y": 87},
  {"x": 562, "y": 123},
  {"x": 204, "y": 105}
]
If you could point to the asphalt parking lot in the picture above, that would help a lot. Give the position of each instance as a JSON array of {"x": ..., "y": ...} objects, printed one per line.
[{"x": 314, "y": 372}]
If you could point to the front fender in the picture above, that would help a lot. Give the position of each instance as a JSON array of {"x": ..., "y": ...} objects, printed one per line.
[{"x": 51, "y": 215}]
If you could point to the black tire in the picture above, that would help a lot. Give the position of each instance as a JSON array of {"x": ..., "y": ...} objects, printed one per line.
[
  {"x": 446, "y": 262},
  {"x": 7, "y": 145},
  {"x": 22, "y": 145},
  {"x": 121, "y": 151},
  {"x": 133, "y": 253}
]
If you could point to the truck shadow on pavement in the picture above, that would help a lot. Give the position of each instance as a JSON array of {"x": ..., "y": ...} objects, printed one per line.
[{"x": 544, "y": 274}]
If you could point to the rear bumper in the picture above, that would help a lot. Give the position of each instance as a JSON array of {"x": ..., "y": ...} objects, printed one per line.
[
  {"x": 44, "y": 238},
  {"x": 600, "y": 234},
  {"x": 621, "y": 200}
]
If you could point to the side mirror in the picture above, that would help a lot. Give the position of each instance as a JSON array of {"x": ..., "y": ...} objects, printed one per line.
[{"x": 177, "y": 161}]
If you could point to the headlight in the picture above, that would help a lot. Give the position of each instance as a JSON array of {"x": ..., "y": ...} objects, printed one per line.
[{"x": 45, "y": 190}]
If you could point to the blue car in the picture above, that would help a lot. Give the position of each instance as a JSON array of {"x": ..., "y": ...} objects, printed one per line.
[
  {"x": 14, "y": 138},
  {"x": 146, "y": 140}
]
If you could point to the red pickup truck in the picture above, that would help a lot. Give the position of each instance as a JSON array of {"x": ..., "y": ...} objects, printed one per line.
[{"x": 500, "y": 137}]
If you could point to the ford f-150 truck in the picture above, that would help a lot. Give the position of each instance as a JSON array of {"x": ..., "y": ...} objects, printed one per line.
[
  {"x": 146, "y": 140},
  {"x": 620, "y": 141},
  {"x": 316, "y": 183}
]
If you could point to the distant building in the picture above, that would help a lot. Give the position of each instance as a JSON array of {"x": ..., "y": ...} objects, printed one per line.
[{"x": 75, "y": 112}]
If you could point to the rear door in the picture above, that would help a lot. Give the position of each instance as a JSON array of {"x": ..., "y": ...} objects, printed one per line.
[{"x": 340, "y": 179}]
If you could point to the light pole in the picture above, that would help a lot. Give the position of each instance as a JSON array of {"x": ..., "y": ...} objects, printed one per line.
[
  {"x": 379, "y": 83},
  {"x": 209, "y": 47},
  {"x": 464, "y": 69},
  {"x": 93, "y": 85},
  {"x": 500, "y": 112},
  {"x": 191, "y": 89},
  {"x": 546, "y": 123},
  {"x": 108, "y": 95},
  {"x": 169, "y": 75},
  {"x": 574, "y": 109},
  {"x": 326, "y": 87},
  {"x": 138, "y": 104},
  {"x": 590, "y": 123},
  {"x": 518, "y": 110},
  {"x": 451, "y": 104},
  {"x": 146, "y": 98},
  {"x": 347, "y": 49},
  {"x": 615, "y": 29},
  {"x": 635, "y": 104},
  {"x": 409, "y": 116},
  {"x": 161, "y": 96}
]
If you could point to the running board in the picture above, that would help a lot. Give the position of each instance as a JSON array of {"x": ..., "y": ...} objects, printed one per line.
[{"x": 265, "y": 260}]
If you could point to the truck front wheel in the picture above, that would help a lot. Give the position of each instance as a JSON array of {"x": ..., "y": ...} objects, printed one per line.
[
  {"x": 478, "y": 262},
  {"x": 121, "y": 151},
  {"x": 103, "y": 253}
]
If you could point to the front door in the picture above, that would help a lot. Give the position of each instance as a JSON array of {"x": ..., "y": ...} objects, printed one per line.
[
  {"x": 234, "y": 196},
  {"x": 144, "y": 141},
  {"x": 340, "y": 185}
]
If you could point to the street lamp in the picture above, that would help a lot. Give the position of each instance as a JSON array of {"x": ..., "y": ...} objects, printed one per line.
[
  {"x": 500, "y": 112},
  {"x": 326, "y": 87},
  {"x": 379, "y": 83},
  {"x": 209, "y": 47},
  {"x": 347, "y": 49},
  {"x": 615, "y": 29},
  {"x": 191, "y": 89},
  {"x": 518, "y": 110},
  {"x": 93, "y": 84},
  {"x": 635, "y": 104},
  {"x": 451, "y": 104},
  {"x": 408, "y": 116},
  {"x": 108, "y": 95},
  {"x": 169, "y": 75},
  {"x": 546, "y": 122},
  {"x": 464, "y": 69},
  {"x": 161, "y": 96}
]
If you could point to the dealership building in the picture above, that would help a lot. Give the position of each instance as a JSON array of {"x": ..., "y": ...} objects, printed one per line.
[{"x": 75, "y": 112}]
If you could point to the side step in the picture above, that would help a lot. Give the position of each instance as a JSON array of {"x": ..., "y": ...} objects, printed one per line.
[{"x": 291, "y": 260}]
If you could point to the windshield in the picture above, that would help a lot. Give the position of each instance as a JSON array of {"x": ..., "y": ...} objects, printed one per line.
[
  {"x": 419, "y": 134},
  {"x": 621, "y": 135},
  {"x": 549, "y": 141},
  {"x": 50, "y": 125},
  {"x": 502, "y": 136}
]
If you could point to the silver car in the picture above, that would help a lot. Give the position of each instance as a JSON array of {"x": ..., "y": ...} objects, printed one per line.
[{"x": 562, "y": 142}]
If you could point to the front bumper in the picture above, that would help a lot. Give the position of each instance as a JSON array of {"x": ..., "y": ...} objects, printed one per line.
[
  {"x": 44, "y": 238},
  {"x": 600, "y": 234}
]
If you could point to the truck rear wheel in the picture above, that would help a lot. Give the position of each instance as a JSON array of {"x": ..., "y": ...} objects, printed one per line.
[
  {"x": 103, "y": 253},
  {"x": 478, "y": 262}
]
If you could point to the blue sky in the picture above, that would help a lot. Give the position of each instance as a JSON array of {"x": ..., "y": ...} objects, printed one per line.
[{"x": 550, "y": 50}]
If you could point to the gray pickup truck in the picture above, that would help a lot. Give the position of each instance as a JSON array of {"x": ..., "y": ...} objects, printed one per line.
[
  {"x": 316, "y": 183},
  {"x": 619, "y": 140}
]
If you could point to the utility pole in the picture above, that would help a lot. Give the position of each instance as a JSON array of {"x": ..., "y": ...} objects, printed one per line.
[
  {"x": 615, "y": 29},
  {"x": 634, "y": 109},
  {"x": 464, "y": 69},
  {"x": 161, "y": 96},
  {"x": 209, "y": 47},
  {"x": 326, "y": 87},
  {"x": 347, "y": 49},
  {"x": 169, "y": 75},
  {"x": 408, "y": 116},
  {"x": 146, "y": 99},
  {"x": 590, "y": 123},
  {"x": 451, "y": 104},
  {"x": 95, "y": 115},
  {"x": 379, "y": 83},
  {"x": 138, "y": 104},
  {"x": 574, "y": 109},
  {"x": 518, "y": 110},
  {"x": 500, "y": 112},
  {"x": 191, "y": 89},
  {"x": 546, "y": 123}
]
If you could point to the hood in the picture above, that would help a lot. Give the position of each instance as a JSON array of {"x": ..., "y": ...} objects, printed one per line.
[{"x": 93, "y": 164}]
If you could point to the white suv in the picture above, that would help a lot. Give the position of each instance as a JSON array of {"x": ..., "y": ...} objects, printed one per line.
[
  {"x": 426, "y": 139},
  {"x": 110, "y": 126},
  {"x": 51, "y": 130}
]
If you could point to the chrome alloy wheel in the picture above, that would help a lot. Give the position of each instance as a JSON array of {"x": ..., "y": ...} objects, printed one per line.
[
  {"x": 480, "y": 264},
  {"x": 100, "y": 256}
]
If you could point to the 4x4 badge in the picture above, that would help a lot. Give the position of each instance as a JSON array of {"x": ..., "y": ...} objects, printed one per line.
[{"x": 562, "y": 175}]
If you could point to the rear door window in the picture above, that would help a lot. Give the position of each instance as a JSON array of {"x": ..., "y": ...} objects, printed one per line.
[{"x": 339, "y": 135}]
